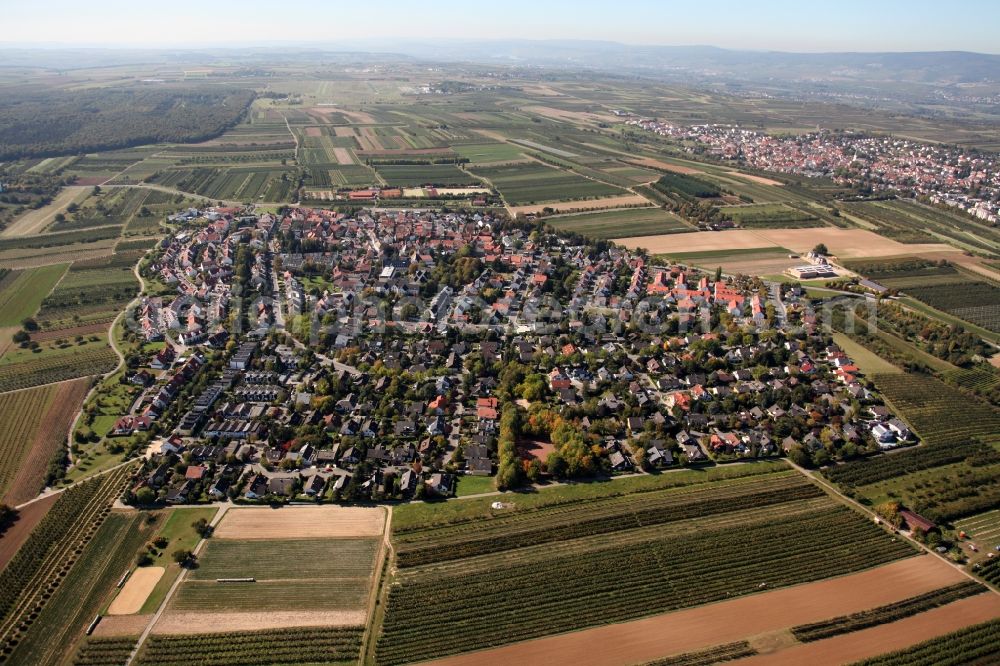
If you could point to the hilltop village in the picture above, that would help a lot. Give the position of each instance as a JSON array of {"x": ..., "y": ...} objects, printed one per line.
[{"x": 317, "y": 355}]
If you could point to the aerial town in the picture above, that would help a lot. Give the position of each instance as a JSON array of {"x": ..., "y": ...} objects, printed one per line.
[
  {"x": 348, "y": 389},
  {"x": 536, "y": 334}
]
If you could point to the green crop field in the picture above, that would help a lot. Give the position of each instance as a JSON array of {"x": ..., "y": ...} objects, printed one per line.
[
  {"x": 56, "y": 366},
  {"x": 22, "y": 292},
  {"x": 291, "y": 574},
  {"x": 770, "y": 216},
  {"x": 621, "y": 223},
  {"x": 265, "y": 559},
  {"x": 539, "y": 183},
  {"x": 425, "y": 174},
  {"x": 496, "y": 581},
  {"x": 272, "y": 595},
  {"x": 478, "y": 153},
  {"x": 307, "y": 645},
  {"x": 744, "y": 253}
]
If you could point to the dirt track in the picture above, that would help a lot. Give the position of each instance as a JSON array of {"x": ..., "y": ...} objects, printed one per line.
[
  {"x": 886, "y": 637},
  {"x": 705, "y": 626},
  {"x": 301, "y": 522}
]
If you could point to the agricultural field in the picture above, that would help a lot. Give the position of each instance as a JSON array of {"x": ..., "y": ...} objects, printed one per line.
[
  {"x": 770, "y": 216},
  {"x": 979, "y": 644},
  {"x": 55, "y": 361},
  {"x": 242, "y": 184},
  {"x": 983, "y": 530},
  {"x": 35, "y": 221},
  {"x": 285, "y": 646},
  {"x": 91, "y": 291},
  {"x": 85, "y": 590},
  {"x": 911, "y": 222},
  {"x": 464, "y": 567},
  {"x": 488, "y": 153},
  {"x": 426, "y": 174},
  {"x": 843, "y": 243},
  {"x": 538, "y": 183},
  {"x": 104, "y": 652},
  {"x": 693, "y": 636},
  {"x": 33, "y": 426},
  {"x": 884, "y": 614},
  {"x": 22, "y": 292},
  {"x": 977, "y": 302},
  {"x": 905, "y": 272},
  {"x": 176, "y": 526},
  {"x": 60, "y": 547},
  {"x": 294, "y": 571},
  {"x": 613, "y": 223}
]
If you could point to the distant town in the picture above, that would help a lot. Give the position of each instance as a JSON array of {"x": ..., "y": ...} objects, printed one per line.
[{"x": 953, "y": 176}]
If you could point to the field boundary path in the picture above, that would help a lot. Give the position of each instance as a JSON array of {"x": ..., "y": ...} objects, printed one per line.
[{"x": 380, "y": 571}]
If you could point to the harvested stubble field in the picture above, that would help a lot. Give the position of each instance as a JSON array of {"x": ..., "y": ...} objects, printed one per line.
[
  {"x": 136, "y": 590},
  {"x": 494, "y": 581},
  {"x": 668, "y": 634},
  {"x": 843, "y": 243},
  {"x": 321, "y": 522},
  {"x": 183, "y": 623},
  {"x": 869, "y": 643}
]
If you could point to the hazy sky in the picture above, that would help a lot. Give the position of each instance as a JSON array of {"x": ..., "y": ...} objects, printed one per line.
[{"x": 788, "y": 25}]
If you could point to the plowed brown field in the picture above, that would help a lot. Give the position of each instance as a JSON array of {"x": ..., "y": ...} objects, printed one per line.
[
  {"x": 724, "y": 622},
  {"x": 866, "y": 643}
]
